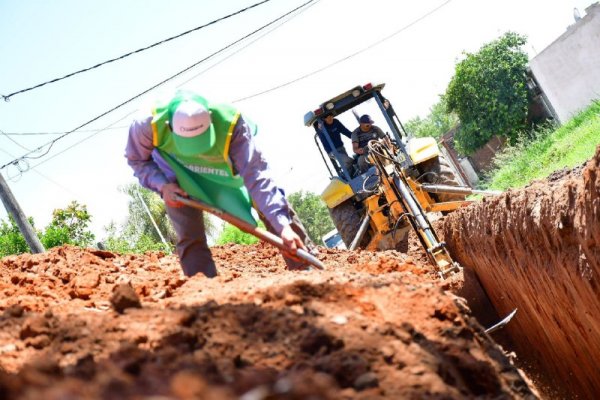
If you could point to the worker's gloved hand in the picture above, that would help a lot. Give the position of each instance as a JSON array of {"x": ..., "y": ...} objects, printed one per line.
[
  {"x": 292, "y": 241},
  {"x": 168, "y": 194}
]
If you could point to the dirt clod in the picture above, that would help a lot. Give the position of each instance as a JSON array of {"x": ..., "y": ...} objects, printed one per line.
[
  {"x": 365, "y": 381},
  {"x": 14, "y": 311},
  {"x": 124, "y": 297},
  {"x": 35, "y": 326}
]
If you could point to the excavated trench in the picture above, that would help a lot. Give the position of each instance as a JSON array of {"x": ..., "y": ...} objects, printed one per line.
[{"x": 538, "y": 250}]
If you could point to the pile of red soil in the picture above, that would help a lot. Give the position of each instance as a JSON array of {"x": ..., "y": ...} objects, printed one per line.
[{"x": 80, "y": 323}]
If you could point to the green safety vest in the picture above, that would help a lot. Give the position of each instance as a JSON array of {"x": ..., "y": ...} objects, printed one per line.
[{"x": 209, "y": 176}]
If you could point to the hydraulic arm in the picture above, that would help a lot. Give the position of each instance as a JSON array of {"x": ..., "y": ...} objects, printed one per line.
[{"x": 399, "y": 191}]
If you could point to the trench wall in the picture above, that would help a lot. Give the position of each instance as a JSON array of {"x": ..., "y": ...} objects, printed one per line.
[{"x": 538, "y": 249}]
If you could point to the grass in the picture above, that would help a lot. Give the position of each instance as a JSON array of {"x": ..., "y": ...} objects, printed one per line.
[{"x": 547, "y": 150}]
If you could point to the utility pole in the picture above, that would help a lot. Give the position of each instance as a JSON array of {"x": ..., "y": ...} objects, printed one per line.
[{"x": 12, "y": 207}]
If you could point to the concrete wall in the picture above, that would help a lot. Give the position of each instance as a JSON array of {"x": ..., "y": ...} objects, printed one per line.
[
  {"x": 568, "y": 71},
  {"x": 483, "y": 157},
  {"x": 470, "y": 167}
]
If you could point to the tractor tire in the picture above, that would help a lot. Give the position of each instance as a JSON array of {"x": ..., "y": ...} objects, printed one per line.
[
  {"x": 439, "y": 172},
  {"x": 346, "y": 219}
]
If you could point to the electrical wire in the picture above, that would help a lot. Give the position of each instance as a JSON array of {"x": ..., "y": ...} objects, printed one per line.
[
  {"x": 250, "y": 43},
  {"x": 52, "y": 142},
  {"x": 288, "y": 82},
  {"x": 16, "y": 178},
  {"x": 56, "y": 133},
  {"x": 182, "y": 83},
  {"x": 344, "y": 58},
  {"x": 84, "y": 139},
  {"x": 9, "y": 177},
  {"x": 14, "y": 141},
  {"x": 7, "y": 97}
]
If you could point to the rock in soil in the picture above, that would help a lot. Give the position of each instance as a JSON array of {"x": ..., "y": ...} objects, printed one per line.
[{"x": 124, "y": 297}]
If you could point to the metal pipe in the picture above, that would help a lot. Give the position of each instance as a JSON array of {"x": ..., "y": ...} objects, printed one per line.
[
  {"x": 162, "y": 238},
  {"x": 502, "y": 323},
  {"x": 361, "y": 232},
  {"x": 457, "y": 190},
  {"x": 416, "y": 210}
]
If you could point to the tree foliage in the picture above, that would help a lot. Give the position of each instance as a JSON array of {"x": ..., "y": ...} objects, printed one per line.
[
  {"x": 313, "y": 213},
  {"x": 69, "y": 225},
  {"x": 138, "y": 233},
  {"x": 231, "y": 234},
  {"x": 438, "y": 122},
  {"x": 138, "y": 222},
  {"x": 489, "y": 92},
  {"x": 310, "y": 209},
  {"x": 117, "y": 242},
  {"x": 11, "y": 239}
]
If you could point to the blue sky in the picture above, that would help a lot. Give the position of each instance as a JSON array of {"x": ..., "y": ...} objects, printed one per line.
[{"x": 43, "y": 40}]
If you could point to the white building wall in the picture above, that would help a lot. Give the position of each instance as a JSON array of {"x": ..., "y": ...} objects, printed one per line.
[{"x": 568, "y": 71}]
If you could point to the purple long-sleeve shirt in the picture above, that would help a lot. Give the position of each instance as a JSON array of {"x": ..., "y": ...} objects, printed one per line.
[{"x": 153, "y": 172}]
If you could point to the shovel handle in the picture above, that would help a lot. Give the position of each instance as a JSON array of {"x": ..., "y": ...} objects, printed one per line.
[{"x": 251, "y": 229}]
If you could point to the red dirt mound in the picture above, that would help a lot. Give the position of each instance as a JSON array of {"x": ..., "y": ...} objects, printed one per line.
[{"x": 373, "y": 325}]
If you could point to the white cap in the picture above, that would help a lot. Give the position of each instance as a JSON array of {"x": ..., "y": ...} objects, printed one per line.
[{"x": 190, "y": 119}]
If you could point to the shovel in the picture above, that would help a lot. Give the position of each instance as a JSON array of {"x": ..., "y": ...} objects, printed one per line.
[{"x": 249, "y": 228}]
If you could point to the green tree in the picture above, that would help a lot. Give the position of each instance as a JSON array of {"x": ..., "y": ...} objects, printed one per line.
[
  {"x": 69, "y": 225},
  {"x": 489, "y": 92},
  {"x": 138, "y": 221},
  {"x": 11, "y": 239},
  {"x": 231, "y": 234},
  {"x": 313, "y": 213},
  {"x": 438, "y": 122},
  {"x": 116, "y": 241},
  {"x": 138, "y": 233}
]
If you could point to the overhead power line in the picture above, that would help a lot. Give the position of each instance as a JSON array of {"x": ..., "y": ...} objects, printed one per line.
[
  {"x": 39, "y": 149},
  {"x": 83, "y": 140},
  {"x": 345, "y": 58},
  {"x": 20, "y": 172},
  {"x": 248, "y": 44},
  {"x": 14, "y": 141},
  {"x": 58, "y": 133},
  {"x": 180, "y": 84},
  {"x": 27, "y": 155},
  {"x": 8, "y": 96}
]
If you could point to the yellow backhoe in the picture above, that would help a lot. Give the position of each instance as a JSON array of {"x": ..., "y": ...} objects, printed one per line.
[{"x": 408, "y": 178}]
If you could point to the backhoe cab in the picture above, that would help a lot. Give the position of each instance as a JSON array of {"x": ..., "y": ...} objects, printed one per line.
[{"x": 408, "y": 178}]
